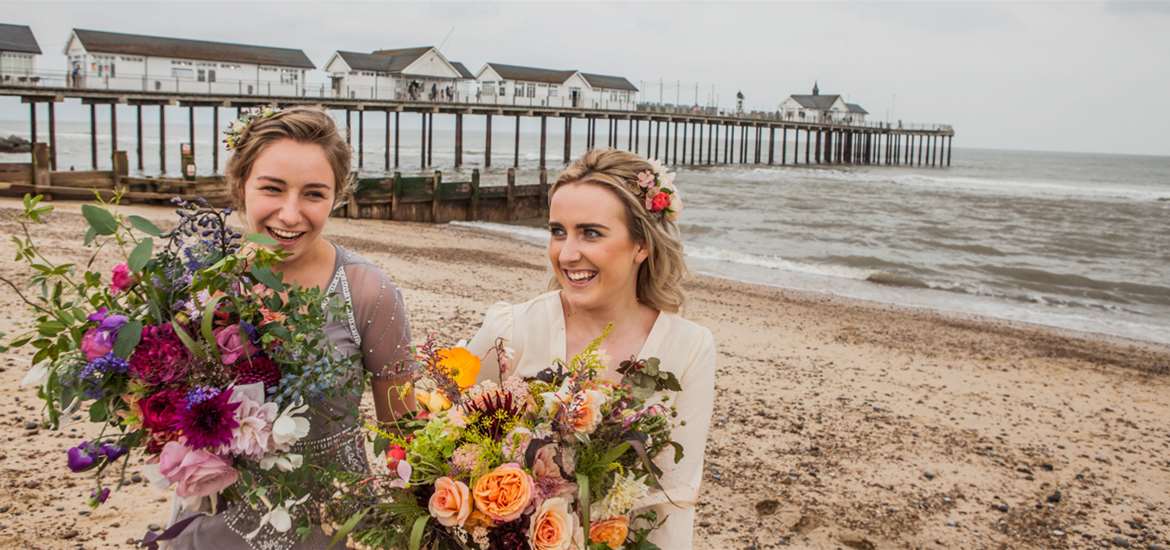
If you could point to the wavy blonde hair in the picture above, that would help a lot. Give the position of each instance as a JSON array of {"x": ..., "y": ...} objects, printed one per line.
[
  {"x": 300, "y": 124},
  {"x": 660, "y": 276}
]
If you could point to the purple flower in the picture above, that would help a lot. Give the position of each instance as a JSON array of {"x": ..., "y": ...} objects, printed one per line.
[
  {"x": 98, "y": 371},
  {"x": 209, "y": 423},
  {"x": 112, "y": 452},
  {"x": 200, "y": 394},
  {"x": 82, "y": 457},
  {"x": 99, "y": 497}
]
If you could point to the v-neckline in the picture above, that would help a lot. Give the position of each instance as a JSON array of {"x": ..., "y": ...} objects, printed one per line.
[{"x": 560, "y": 336}]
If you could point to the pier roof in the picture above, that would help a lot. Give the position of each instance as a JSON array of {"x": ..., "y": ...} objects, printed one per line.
[
  {"x": 819, "y": 101},
  {"x": 18, "y": 38},
  {"x": 181, "y": 48},
  {"x": 531, "y": 74},
  {"x": 609, "y": 82},
  {"x": 387, "y": 61},
  {"x": 855, "y": 108},
  {"x": 463, "y": 72}
]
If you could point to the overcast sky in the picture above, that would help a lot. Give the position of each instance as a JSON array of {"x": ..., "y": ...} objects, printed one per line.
[{"x": 1041, "y": 76}]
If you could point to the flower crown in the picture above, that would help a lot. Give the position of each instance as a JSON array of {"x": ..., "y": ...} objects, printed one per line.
[
  {"x": 658, "y": 193},
  {"x": 234, "y": 134}
]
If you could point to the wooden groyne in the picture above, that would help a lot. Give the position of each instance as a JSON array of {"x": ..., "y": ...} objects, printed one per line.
[{"x": 679, "y": 138}]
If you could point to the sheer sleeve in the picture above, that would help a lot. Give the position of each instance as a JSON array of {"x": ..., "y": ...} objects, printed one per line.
[
  {"x": 682, "y": 481},
  {"x": 379, "y": 314},
  {"x": 498, "y": 322}
]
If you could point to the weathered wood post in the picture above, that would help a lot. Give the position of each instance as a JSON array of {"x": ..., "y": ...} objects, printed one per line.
[
  {"x": 162, "y": 138},
  {"x": 348, "y": 128},
  {"x": 674, "y": 146},
  {"x": 921, "y": 150},
  {"x": 422, "y": 141},
  {"x": 121, "y": 168},
  {"x": 543, "y": 139},
  {"x": 395, "y": 191},
  {"x": 458, "y": 140},
  {"x": 42, "y": 168},
  {"x": 510, "y": 195},
  {"x": 53, "y": 136},
  {"x": 630, "y": 134},
  {"x": 32, "y": 118},
  {"x": 113, "y": 129},
  {"x": 397, "y": 136},
  {"x": 657, "y": 138},
  {"x": 516, "y": 146},
  {"x": 487, "y": 142},
  {"x": 807, "y": 140},
  {"x": 215, "y": 139},
  {"x": 544, "y": 192},
  {"x": 436, "y": 183},
  {"x": 386, "y": 143},
  {"x": 637, "y": 135},
  {"x": 191, "y": 131},
  {"x": 92, "y": 135},
  {"x": 352, "y": 210},
  {"x": 473, "y": 204},
  {"x": 950, "y": 147},
  {"x": 431, "y": 138},
  {"x": 361, "y": 137}
]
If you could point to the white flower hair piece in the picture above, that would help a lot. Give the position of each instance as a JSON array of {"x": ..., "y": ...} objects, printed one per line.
[
  {"x": 658, "y": 193},
  {"x": 234, "y": 133}
]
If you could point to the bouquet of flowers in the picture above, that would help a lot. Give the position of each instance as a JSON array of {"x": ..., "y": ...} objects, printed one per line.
[
  {"x": 193, "y": 351},
  {"x": 553, "y": 462}
]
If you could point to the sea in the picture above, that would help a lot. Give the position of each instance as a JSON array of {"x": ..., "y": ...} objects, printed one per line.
[{"x": 1076, "y": 241}]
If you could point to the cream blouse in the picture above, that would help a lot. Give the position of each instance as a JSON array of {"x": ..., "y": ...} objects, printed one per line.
[{"x": 535, "y": 331}]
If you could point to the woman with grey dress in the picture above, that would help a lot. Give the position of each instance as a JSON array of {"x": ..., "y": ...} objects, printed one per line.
[{"x": 285, "y": 175}]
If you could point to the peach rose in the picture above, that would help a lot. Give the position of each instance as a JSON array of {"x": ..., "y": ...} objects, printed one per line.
[
  {"x": 553, "y": 526},
  {"x": 585, "y": 411},
  {"x": 503, "y": 493},
  {"x": 612, "y": 531},
  {"x": 450, "y": 503}
]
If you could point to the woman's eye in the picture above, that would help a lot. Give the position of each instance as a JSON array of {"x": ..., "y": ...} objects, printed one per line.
[
  {"x": 592, "y": 234},
  {"x": 556, "y": 232},
  {"x": 270, "y": 189},
  {"x": 317, "y": 195}
]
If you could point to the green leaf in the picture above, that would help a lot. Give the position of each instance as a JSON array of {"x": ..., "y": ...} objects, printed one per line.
[
  {"x": 98, "y": 412},
  {"x": 100, "y": 219},
  {"x": 667, "y": 381},
  {"x": 262, "y": 239},
  {"x": 347, "y": 527},
  {"x": 615, "y": 453},
  {"x": 90, "y": 236},
  {"x": 50, "y": 328},
  {"x": 206, "y": 325},
  {"x": 266, "y": 276},
  {"x": 128, "y": 337},
  {"x": 583, "y": 499},
  {"x": 417, "y": 531},
  {"x": 140, "y": 255},
  {"x": 144, "y": 225}
]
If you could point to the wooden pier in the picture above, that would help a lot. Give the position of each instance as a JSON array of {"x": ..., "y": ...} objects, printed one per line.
[{"x": 689, "y": 139}]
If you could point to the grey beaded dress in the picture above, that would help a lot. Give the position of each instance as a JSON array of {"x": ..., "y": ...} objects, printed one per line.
[{"x": 376, "y": 330}]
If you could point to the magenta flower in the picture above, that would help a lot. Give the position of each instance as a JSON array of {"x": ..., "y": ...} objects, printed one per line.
[
  {"x": 82, "y": 457},
  {"x": 99, "y": 341},
  {"x": 233, "y": 344},
  {"x": 258, "y": 369},
  {"x": 97, "y": 498},
  {"x": 121, "y": 278},
  {"x": 160, "y": 358},
  {"x": 209, "y": 423}
]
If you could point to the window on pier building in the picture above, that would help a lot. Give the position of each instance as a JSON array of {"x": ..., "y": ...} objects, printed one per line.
[
  {"x": 503, "y": 88},
  {"x": 519, "y": 92},
  {"x": 201, "y": 75},
  {"x": 554, "y": 91},
  {"x": 531, "y": 90}
]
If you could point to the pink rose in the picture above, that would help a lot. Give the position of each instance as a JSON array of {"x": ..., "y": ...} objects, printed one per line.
[
  {"x": 198, "y": 473},
  {"x": 232, "y": 344},
  {"x": 544, "y": 464},
  {"x": 121, "y": 279},
  {"x": 645, "y": 179},
  {"x": 253, "y": 436},
  {"x": 450, "y": 503}
]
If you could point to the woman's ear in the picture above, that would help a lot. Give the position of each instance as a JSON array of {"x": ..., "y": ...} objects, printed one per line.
[{"x": 642, "y": 253}]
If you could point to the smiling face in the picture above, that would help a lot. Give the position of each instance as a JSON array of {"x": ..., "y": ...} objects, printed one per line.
[
  {"x": 590, "y": 247},
  {"x": 289, "y": 193}
]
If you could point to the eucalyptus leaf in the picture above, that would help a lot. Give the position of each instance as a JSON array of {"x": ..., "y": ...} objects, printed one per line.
[
  {"x": 100, "y": 219},
  {"x": 140, "y": 255},
  {"x": 144, "y": 225},
  {"x": 266, "y": 276},
  {"x": 128, "y": 337}
]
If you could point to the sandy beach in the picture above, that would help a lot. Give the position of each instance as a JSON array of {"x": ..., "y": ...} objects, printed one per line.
[{"x": 837, "y": 424}]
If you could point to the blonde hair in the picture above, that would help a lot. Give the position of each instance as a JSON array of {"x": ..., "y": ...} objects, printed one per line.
[
  {"x": 660, "y": 276},
  {"x": 300, "y": 124}
]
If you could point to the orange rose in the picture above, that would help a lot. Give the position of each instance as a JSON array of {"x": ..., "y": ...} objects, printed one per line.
[
  {"x": 450, "y": 503},
  {"x": 612, "y": 531},
  {"x": 503, "y": 493},
  {"x": 585, "y": 411},
  {"x": 553, "y": 526}
]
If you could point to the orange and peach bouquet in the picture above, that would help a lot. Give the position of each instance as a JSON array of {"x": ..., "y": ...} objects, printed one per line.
[{"x": 553, "y": 462}]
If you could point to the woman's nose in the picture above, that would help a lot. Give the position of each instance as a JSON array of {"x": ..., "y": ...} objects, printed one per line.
[{"x": 570, "y": 252}]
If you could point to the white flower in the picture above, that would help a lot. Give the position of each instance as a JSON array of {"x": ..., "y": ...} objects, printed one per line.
[
  {"x": 36, "y": 376},
  {"x": 627, "y": 490},
  {"x": 285, "y": 463},
  {"x": 289, "y": 429},
  {"x": 278, "y": 517}
]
